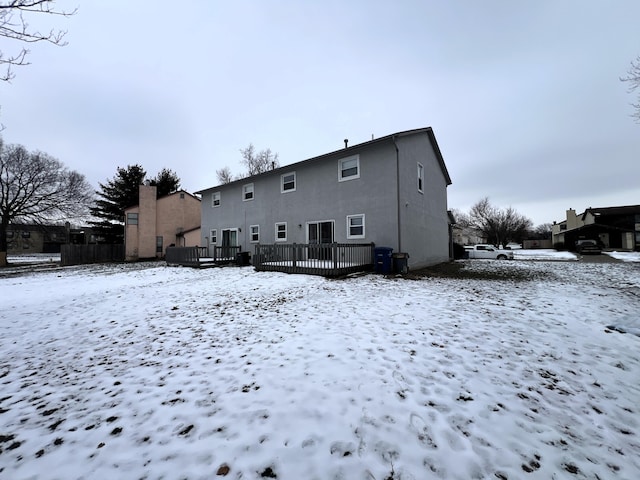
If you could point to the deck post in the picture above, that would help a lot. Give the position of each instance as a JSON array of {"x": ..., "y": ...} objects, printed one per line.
[{"x": 295, "y": 254}]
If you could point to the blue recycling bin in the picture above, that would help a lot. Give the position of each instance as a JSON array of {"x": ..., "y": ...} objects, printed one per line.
[{"x": 383, "y": 259}]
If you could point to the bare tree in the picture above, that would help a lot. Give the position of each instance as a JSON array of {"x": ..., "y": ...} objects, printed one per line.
[
  {"x": 543, "y": 231},
  {"x": 498, "y": 226},
  {"x": 633, "y": 79},
  {"x": 35, "y": 187},
  {"x": 14, "y": 26},
  {"x": 462, "y": 219},
  {"x": 254, "y": 162},
  {"x": 258, "y": 162},
  {"x": 224, "y": 175}
]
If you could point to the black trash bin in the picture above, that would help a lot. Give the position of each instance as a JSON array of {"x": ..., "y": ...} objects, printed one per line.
[
  {"x": 401, "y": 262},
  {"x": 383, "y": 259},
  {"x": 243, "y": 259}
]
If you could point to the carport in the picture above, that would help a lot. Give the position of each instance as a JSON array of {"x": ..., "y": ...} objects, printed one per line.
[{"x": 610, "y": 237}]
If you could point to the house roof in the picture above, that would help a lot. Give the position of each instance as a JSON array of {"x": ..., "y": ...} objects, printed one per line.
[
  {"x": 188, "y": 231},
  {"x": 624, "y": 210},
  {"x": 351, "y": 150},
  {"x": 176, "y": 192},
  {"x": 596, "y": 227},
  {"x": 132, "y": 207},
  {"x": 621, "y": 210}
]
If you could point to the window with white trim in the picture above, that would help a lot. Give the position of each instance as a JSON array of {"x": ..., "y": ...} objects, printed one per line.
[
  {"x": 215, "y": 199},
  {"x": 247, "y": 192},
  {"x": 281, "y": 232},
  {"x": 213, "y": 239},
  {"x": 349, "y": 168},
  {"x": 254, "y": 233},
  {"x": 355, "y": 226},
  {"x": 288, "y": 182},
  {"x": 420, "y": 177}
]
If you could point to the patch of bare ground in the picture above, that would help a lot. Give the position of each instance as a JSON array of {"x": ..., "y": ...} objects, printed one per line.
[{"x": 498, "y": 270}]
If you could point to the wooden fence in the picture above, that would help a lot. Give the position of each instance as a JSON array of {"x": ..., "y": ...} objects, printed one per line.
[
  {"x": 97, "y": 253},
  {"x": 326, "y": 259}
]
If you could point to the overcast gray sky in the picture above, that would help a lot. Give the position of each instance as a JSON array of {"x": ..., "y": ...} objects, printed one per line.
[{"x": 524, "y": 96}]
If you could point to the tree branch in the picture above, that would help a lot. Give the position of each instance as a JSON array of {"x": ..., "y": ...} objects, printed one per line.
[
  {"x": 14, "y": 26},
  {"x": 633, "y": 81}
]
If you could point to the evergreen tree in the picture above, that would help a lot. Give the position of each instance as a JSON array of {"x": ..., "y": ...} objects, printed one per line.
[
  {"x": 122, "y": 192},
  {"x": 117, "y": 194},
  {"x": 166, "y": 182}
]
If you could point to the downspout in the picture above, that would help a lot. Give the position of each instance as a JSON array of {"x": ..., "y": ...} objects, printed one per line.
[{"x": 398, "y": 192}]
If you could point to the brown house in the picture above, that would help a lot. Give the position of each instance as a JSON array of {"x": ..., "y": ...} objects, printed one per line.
[
  {"x": 156, "y": 223},
  {"x": 39, "y": 238}
]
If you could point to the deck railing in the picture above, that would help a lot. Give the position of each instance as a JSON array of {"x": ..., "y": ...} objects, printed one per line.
[
  {"x": 224, "y": 254},
  {"x": 200, "y": 256},
  {"x": 326, "y": 259}
]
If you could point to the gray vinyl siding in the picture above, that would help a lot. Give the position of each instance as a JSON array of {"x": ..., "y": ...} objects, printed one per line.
[
  {"x": 319, "y": 196},
  {"x": 424, "y": 219}
]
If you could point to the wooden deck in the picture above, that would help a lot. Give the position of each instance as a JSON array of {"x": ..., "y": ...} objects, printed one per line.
[{"x": 328, "y": 260}]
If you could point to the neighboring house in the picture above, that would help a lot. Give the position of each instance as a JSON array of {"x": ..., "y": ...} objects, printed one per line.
[
  {"x": 612, "y": 227},
  {"x": 391, "y": 191},
  {"x": 156, "y": 223},
  {"x": 467, "y": 236},
  {"x": 31, "y": 238}
]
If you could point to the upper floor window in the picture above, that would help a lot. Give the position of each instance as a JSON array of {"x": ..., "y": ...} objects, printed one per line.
[
  {"x": 247, "y": 192},
  {"x": 420, "y": 178},
  {"x": 349, "y": 168},
  {"x": 215, "y": 199},
  {"x": 288, "y": 182},
  {"x": 281, "y": 232},
  {"x": 255, "y": 233},
  {"x": 132, "y": 219},
  {"x": 563, "y": 226},
  {"x": 355, "y": 226}
]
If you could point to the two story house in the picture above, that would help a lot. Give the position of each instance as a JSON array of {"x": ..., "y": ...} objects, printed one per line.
[
  {"x": 156, "y": 223},
  {"x": 612, "y": 227},
  {"x": 391, "y": 191}
]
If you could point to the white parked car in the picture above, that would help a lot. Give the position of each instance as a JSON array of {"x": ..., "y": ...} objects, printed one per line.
[
  {"x": 513, "y": 246},
  {"x": 487, "y": 251}
]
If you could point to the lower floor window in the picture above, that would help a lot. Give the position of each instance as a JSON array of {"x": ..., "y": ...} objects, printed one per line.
[
  {"x": 255, "y": 233},
  {"x": 158, "y": 244},
  {"x": 355, "y": 226},
  {"x": 281, "y": 232}
]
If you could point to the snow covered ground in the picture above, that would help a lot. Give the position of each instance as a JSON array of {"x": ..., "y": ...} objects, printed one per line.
[{"x": 147, "y": 371}]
